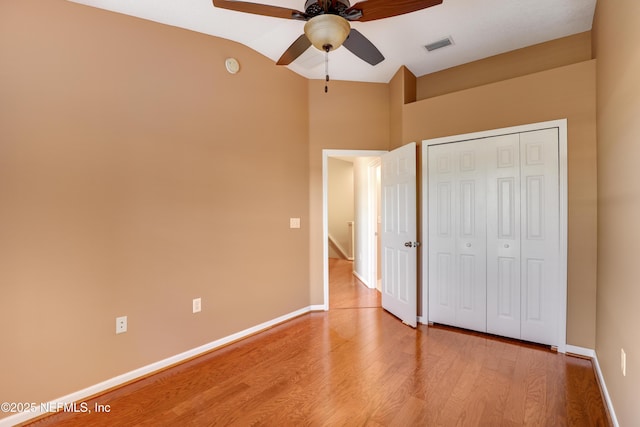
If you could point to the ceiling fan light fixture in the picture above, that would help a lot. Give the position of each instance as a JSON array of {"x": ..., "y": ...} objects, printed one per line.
[{"x": 327, "y": 32}]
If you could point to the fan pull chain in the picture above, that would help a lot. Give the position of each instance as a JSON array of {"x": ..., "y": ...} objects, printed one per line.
[{"x": 326, "y": 69}]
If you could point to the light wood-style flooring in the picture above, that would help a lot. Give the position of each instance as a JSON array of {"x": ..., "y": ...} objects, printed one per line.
[
  {"x": 347, "y": 292},
  {"x": 357, "y": 365}
]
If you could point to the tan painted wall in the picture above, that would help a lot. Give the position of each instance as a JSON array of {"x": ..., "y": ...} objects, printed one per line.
[
  {"x": 517, "y": 63},
  {"x": 618, "y": 111},
  {"x": 402, "y": 90},
  {"x": 135, "y": 175},
  {"x": 117, "y": 141},
  {"x": 351, "y": 116},
  {"x": 565, "y": 92}
]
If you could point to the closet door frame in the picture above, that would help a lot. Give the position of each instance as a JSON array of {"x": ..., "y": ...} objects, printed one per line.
[{"x": 561, "y": 125}]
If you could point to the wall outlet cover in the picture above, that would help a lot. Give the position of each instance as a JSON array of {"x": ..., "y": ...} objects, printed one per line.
[{"x": 121, "y": 324}]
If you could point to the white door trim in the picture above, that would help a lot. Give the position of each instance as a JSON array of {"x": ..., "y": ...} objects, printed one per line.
[
  {"x": 564, "y": 194},
  {"x": 372, "y": 205},
  {"x": 325, "y": 216}
]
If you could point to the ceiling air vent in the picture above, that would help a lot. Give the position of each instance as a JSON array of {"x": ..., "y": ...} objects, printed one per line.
[{"x": 439, "y": 44}]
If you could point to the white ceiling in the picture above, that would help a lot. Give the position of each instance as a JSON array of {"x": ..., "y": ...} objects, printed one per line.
[{"x": 478, "y": 28}]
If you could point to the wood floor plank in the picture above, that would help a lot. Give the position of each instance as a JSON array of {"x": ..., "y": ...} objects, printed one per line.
[{"x": 357, "y": 365}]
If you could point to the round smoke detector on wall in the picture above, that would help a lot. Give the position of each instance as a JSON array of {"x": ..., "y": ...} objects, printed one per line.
[{"x": 232, "y": 64}]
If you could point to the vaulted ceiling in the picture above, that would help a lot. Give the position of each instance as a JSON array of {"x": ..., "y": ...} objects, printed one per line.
[{"x": 477, "y": 28}]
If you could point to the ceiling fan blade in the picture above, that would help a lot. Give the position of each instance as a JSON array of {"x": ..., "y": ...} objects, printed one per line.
[
  {"x": 296, "y": 49},
  {"x": 379, "y": 9},
  {"x": 260, "y": 9},
  {"x": 361, "y": 47}
]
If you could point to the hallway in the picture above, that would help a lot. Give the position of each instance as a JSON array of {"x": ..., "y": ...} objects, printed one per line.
[{"x": 345, "y": 290}]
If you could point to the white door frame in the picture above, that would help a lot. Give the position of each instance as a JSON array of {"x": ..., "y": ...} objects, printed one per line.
[
  {"x": 325, "y": 216},
  {"x": 373, "y": 168},
  {"x": 563, "y": 178}
]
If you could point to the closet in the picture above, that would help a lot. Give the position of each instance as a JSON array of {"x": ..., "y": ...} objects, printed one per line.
[{"x": 494, "y": 234}]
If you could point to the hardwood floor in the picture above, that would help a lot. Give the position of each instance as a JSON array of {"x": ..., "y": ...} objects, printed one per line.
[
  {"x": 345, "y": 291},
  {"x": 357, "y": 365}
]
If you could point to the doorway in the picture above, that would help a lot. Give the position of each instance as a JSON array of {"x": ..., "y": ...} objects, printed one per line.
[{"x": 366, "y": 218}]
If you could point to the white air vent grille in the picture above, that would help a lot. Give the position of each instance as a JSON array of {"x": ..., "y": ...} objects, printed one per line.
[{"x": 439, "y": 44}]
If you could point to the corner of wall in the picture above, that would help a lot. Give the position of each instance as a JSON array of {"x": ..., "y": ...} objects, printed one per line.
[{"x": 402, "y": 90}]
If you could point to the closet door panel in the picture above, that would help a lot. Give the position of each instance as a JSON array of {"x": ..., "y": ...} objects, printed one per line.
[
  {"x": 503, "y": 235},
  {"x": 441, "y": 235},
  {"x": 540, "y": 235},
  {"x": 470, "y": 219}
]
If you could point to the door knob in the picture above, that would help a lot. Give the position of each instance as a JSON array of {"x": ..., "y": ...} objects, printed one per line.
[
  {"x": 411, "y": 244},
  {"x": 468, "y": 245},
  {"x": 506, "y": 245}
]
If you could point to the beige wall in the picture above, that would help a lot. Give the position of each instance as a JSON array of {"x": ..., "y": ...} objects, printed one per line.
[
  {"x": 402, "y": 90},
  {"x": 517, "y": 63},
  {"x": 135, "y": 175},
  {"x": 565, "y": 92},
  {"x": 616, "y": 31}
]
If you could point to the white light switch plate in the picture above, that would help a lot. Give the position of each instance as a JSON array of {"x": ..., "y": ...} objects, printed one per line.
[{"x": 294, "y": 222}]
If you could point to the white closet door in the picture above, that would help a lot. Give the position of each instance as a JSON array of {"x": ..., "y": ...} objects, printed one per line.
[
  {"x": 540, "y": 235},
  {"x": 441, "y": 234},
  {"x": 503, "y": 235},
  {"x": 457, "y": 235},
  {"x": 470, "y": 212}
]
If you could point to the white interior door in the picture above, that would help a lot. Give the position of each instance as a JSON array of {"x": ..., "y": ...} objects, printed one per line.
[{"x": 399, "y": 233}]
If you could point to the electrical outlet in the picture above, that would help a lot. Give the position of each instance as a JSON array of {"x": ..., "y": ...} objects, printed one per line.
[
  {"x": 294, "y": 222},
  {"x": 121, "y": 324},
  {"x": 623, "y": 362},
  {"x": 197, "y": 305}
]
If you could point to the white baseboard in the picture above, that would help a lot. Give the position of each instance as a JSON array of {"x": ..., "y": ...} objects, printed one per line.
[
  {"x": 93, "y": 390},
  {"x": 605, "y": 392},
  {"x": 580, "y": 351},
  {"x": 362, "y": 279},
  {"x": 587, "y": 352}
]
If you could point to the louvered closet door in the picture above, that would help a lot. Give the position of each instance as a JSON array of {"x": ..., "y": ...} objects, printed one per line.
[{"x": 457, "y": 235}]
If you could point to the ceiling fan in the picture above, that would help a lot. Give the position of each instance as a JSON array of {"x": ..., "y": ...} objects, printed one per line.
[{"x": 328, "y": 27}]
